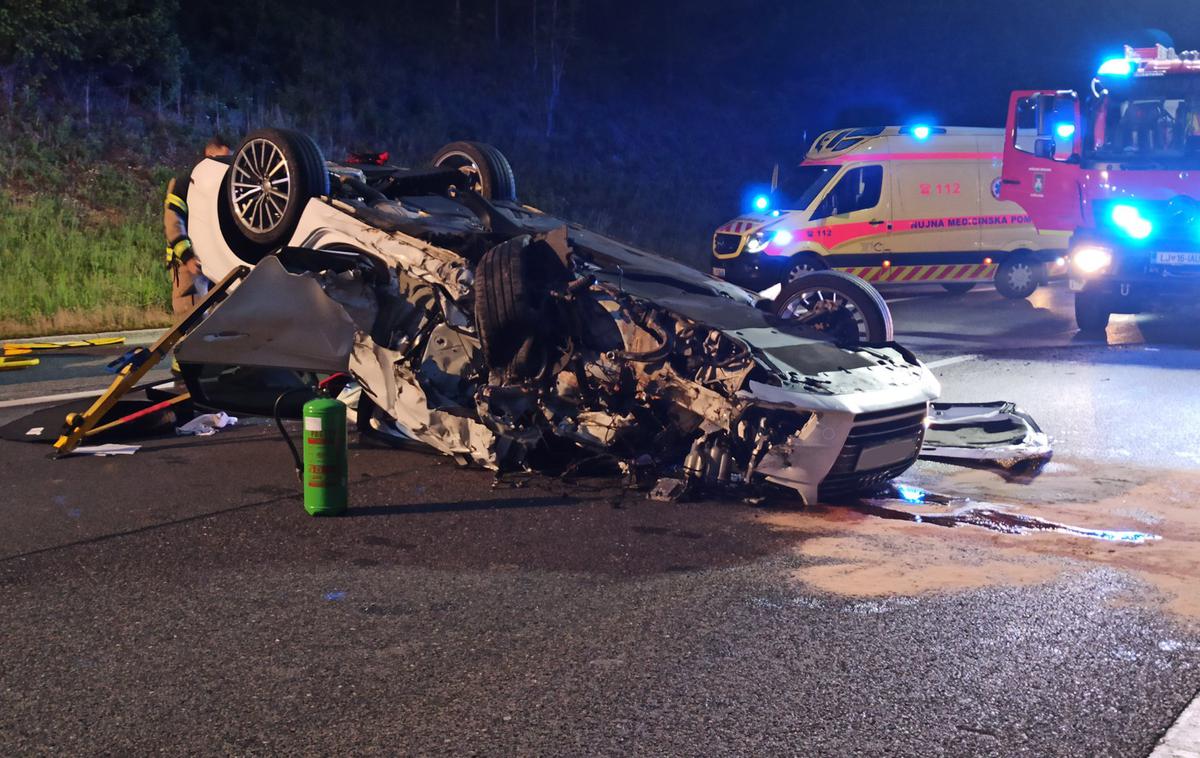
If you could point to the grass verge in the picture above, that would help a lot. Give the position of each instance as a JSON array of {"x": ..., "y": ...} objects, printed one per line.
[{"x": 67, "y": 268}]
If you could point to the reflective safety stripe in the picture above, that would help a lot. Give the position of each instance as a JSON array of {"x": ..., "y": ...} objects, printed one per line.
[
  {"x": 176, "y": 250},
  {"x": 963, "y": 272},
  {"x": 176, "y": 203}
]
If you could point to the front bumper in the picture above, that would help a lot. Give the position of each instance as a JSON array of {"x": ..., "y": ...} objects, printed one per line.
[
  {"x": 1136, "y": 280},
  {"x": 753, "y": 271}
]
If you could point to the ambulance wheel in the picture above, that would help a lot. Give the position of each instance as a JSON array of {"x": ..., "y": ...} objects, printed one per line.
[
  {"x": 958, "y": 288},
  {"x": 800, "y": 265},
  {"x": 1091, "y": 312},
  {"x": 273, "y": 175},
  {"x": 1018, "y": 277},
  {"x": 487, "y": 171},
  {"x": 841, "y": 305}
]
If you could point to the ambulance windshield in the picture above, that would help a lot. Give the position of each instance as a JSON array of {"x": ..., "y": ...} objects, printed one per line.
[
  {"x": 1153, "y": 120},
  {"x": 799, "y": 186}
]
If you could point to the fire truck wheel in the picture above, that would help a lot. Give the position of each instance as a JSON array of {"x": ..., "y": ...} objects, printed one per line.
[
  {"x": 838, "y": 304},
  {"x": 1091, "y": 312},
  {"x": 1018, "y": 277},
  {"x": 958, "y": 288},
  {"x": 488, "y": 172},
  {"x": 800, "y": 265}
]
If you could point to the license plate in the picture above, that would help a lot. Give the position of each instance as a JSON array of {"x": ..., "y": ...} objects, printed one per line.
[
  {"x": 718, "y": 272},
  {"x": 878, "y": 456},
  {"x": 1177, "y": 259}
]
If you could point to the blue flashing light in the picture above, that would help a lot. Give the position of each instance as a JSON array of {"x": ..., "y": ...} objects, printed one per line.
[
  {"x": 921, "y": 132},
  {"x": 910, "y": 494},
  {"x": 1130, "y": 221},
  {"x": 1065, "y": 131},
  {"x": 782, "y": 237},
  {"x": 1116, "y": 67},
  {"x": 775, "y": 214},
  {"x": 761, "y": 202}
]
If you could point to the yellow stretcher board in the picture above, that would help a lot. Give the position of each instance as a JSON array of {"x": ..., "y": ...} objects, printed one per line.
[
  {"x": 23, "y": 348},
  {"x": 12, "y": 364}
]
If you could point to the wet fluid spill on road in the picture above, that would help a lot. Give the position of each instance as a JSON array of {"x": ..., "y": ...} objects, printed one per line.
[
  {"x": 1145, "y": 523},
  {"x": 995, "y": 519}
]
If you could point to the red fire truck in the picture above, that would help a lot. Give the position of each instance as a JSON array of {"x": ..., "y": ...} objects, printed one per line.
[{"x": 1117, "y": 171}]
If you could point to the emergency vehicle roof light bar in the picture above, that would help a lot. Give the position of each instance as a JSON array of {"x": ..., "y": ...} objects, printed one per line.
[{"x": 922, "y": 131}]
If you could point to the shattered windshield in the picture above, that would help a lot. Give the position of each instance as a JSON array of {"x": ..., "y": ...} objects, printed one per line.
[
  {"x": 798, "y": 187},
  {"x": 1154, "y": 120}
]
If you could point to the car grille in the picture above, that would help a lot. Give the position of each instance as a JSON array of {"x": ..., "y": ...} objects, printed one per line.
[
  {"x": 872, "y": 429},
  {"x": 726, "y": 244}
]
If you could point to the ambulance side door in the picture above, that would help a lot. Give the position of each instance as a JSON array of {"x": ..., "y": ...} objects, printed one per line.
[
  {"x": 937, "y": 207},
  {"x": 854, "y": 216}
]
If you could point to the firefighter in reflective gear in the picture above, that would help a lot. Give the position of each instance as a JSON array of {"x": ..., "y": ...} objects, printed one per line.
[{"x": 188, "y": 284}]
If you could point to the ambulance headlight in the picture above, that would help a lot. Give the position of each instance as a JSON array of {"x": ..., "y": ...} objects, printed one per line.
[
  {"x": 757, "y": 243},
  {"x": 1090, "y": 259}
]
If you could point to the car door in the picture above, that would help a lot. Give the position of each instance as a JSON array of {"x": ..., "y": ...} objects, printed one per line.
[{"x": 854, "y": 215}]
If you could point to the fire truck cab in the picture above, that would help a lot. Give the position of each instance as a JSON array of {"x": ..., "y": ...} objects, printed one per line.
[
  {"x": 1118, "y": 170},
  {"x": 894, "y": 205}
]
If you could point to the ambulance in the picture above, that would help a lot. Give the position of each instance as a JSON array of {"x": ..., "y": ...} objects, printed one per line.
[{"x": 894, "y": 205}]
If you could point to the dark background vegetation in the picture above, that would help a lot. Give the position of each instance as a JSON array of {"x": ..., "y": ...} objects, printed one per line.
[{"x": 647, "y": 120}]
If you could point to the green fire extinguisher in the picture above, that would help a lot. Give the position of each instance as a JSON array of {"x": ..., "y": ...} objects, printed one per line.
[{"x": 323, "y": 469}]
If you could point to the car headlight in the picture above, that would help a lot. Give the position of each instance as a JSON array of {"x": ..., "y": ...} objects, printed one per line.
[
  {"x": 757, "y": 243},
  {"x": 1091, "y": 259}
]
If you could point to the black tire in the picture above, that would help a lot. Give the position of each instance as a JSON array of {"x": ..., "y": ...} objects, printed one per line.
[
  {"x": 958, "y": 288},
  {"x": 1019, "y": 276},
  {"x": 490, "y": 173},
  {"x": 268, "y": 218},
  {"x": 801, "y": 264},
  {"x": 511, "y": 285},
  {"x": 804, "y": 298},
  {"x": 1092, "y": 312}
]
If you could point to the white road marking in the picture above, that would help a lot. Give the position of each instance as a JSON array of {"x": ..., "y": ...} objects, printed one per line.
[
  {"x": 1182, "y": 740},
  {"x": 45, "y": 399},
  {"x": 950, "y": 361}
]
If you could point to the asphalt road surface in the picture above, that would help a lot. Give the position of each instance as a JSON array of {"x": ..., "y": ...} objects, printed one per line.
[{"x": 179, "y": 599}]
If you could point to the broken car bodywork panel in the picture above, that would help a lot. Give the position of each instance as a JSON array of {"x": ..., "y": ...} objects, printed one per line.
[{"x": 516, "y": 348}]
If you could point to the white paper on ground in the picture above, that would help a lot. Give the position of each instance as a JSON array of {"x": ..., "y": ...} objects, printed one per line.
[
  {"x": 35, "y": 431},
  {"x": 103, "y": 450},
  {"x": 206, "y": 424}
]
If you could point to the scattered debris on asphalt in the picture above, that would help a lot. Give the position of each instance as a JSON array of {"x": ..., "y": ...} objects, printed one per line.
[
  {"x": 106, "y": 450},
  {"x": 206, "y": 424}
]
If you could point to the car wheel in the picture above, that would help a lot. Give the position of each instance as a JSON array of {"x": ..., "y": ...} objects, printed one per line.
[
  {"x": 273, "y": 175},
  {"x": 958, "y": 288},
  {"x": 839, "y": 304},
  {"x": 1018, "y": 277},
  {"x": 512, "y": 285},
  {"x": 1091, "y": 312},
  {"x": 801, "y": 265},
  {"x": 489, "y": 173}
]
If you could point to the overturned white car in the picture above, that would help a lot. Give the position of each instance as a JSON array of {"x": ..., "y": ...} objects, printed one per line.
[{"x": 492, "y": 332}]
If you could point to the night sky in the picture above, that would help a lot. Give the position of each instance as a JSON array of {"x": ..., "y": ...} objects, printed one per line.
[{"x": 850, "y": 62}]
